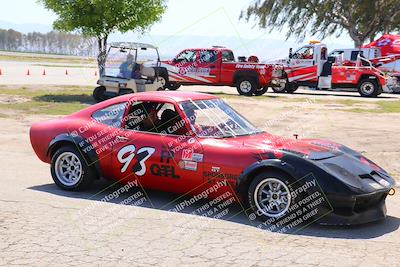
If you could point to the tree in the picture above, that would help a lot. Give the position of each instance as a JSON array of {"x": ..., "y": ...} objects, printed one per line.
[
  {"x": 99, "y": 18},
  {"x": 362, "y": 19}
]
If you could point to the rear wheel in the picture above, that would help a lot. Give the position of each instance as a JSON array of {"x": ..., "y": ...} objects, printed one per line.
[
  {"x": 261, "y": 91},
  {"x": 69, "y": 169},
  {"x": 368, "y": 88},
  {"x": 291, "y": 88},
  {"x": 173, "y": 86},
  {"x": 246, "y": 86},
  {"x": 99, "y": 94}
]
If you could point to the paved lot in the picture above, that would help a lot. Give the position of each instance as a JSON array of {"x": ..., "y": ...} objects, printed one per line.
[{"x": 41, "y": 225}]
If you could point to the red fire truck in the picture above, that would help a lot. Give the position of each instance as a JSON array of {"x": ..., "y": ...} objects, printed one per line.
[
  {"x": 218, "y": 66},
  {"x": 311, "y": 66}
]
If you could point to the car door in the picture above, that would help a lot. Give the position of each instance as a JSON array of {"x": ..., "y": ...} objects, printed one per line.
[
  {"x": 208, "y": 67},
  {"x": 182, "y": 65},
  {"x": 302, "y": 65},
  {"x": 158, "y": 160}
]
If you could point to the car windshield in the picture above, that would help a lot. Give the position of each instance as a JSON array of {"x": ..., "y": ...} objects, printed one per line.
[
  {"x": 215, "y": 118},
  {"x": 124, "y": 63}
]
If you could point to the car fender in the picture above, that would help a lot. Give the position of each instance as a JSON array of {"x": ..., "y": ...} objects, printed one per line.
[
  {"x": 247, "y": 174},
  {"x": 245, "y": 73},
  {"x": 80, "y": 143}
]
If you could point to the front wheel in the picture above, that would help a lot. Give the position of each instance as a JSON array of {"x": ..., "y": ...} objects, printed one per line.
[
  {"x": 70, "y": 170},
  {"x": 261, "y": 91},
  {"x": 246, "y": 86},
  {"x": 368, "y": 88},
  {"x": 269, "y": 194},
  {"x": 281, "y": 88},
  {"x": 99, "y": 94}
]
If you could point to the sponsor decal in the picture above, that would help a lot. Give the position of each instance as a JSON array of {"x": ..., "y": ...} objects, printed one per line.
[
  {"x": 197, "y": 157},
  {"x": 163, "y": 171},
  {"x": 249, "y": 66},
  {"x": 384, "y": 42},
  {"x": 188, "y": 165},
  {"x": 127, "y": 154},
  {"x": 188, "y": 154},
  {"x": 166, "y": 156},
  {"x": 350, "y": 77},
  {"x": 215, "y": 169}
]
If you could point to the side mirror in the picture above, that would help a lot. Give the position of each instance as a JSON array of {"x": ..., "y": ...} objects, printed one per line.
[{"x": 290, "y": 53}]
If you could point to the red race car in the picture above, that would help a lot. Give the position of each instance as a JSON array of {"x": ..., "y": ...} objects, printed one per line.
[{"x": 196, "y": 144}]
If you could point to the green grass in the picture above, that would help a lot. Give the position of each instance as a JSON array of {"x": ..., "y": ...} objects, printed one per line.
[
  {"x": 61, "y": 100},
  {"x": 32, "y": 58},
  {"x": 382, "y": 107},
  {"x": 58, "y": 102}
]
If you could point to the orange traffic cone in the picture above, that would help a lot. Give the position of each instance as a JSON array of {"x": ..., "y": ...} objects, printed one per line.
[
  {"x": 44, "y": 73},
  {"x": 66, "y": 72},
  {"x": 28, "y": 73}
]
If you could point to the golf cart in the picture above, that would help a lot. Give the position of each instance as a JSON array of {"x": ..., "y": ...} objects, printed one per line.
[{"x": 130, "y": 68}]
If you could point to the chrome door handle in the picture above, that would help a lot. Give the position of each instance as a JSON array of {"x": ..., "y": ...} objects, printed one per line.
[{"x": 121, "y": 138}]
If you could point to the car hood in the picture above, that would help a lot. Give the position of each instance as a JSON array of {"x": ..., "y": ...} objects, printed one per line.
[
  {"x": 314, "y": 149},
  {"x": 345, "y": 164}
]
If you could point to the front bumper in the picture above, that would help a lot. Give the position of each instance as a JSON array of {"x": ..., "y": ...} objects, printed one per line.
[{"x": 355, "y": 209}]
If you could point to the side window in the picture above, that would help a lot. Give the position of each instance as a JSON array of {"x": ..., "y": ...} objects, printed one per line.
[
  {"x": 306, "y": 52},
  {"x": 186, "y": 56},
  {"x": 227, "y": 56},
  {"x": 208, "y": 56},
  {"x": 155, "y": 117},
  {"x": 111, "y": 115},
  {"x": 354, "y": 55}
]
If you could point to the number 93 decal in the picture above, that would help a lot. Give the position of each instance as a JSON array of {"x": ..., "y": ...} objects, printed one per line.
[{"x": 127, "y": 154}]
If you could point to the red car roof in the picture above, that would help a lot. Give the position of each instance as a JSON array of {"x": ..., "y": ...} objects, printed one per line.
[
  {"x": 157, "y": 96},
  {"x": 176, "y": 96}
]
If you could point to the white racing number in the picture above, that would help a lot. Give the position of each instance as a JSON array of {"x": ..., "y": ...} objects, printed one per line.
[{"x": 127, "y": 154}]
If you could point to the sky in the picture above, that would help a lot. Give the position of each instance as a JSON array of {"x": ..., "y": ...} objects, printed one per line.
[{"x": 216, "y": 19}]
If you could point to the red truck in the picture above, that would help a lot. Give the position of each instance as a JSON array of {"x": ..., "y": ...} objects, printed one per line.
[
  {"x": 311, "y": 66},
  {"x": 217, "y": 66}
]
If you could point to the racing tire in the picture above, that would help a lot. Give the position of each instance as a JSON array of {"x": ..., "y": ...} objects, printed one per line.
[
  {"x": 163, "y": 81},
  {"x": 246, "y": 86},
  {"x": 368, "y": 88},
  {"x": 99, "y": 94},
  {"x": 162, "y": 73},
  {"x": 291, "y": 88},
  {"x": 256, "y": 196},
  {"x": 280, "y": 89},
  {"x": 261, "y": 91},
  {"x": 173, "y": 86},
  {"x": 69, "y": 169},
  {"x": 125, "y": 91}
]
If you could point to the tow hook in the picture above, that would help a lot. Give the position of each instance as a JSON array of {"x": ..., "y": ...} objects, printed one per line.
[{"x": 392, "y": 191}]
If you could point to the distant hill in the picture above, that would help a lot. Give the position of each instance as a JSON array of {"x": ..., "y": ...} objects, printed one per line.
[{"x": 25, "y": 28}]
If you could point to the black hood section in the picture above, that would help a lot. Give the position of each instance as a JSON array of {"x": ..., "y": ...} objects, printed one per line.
[{"x": 357, "y": 172}]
